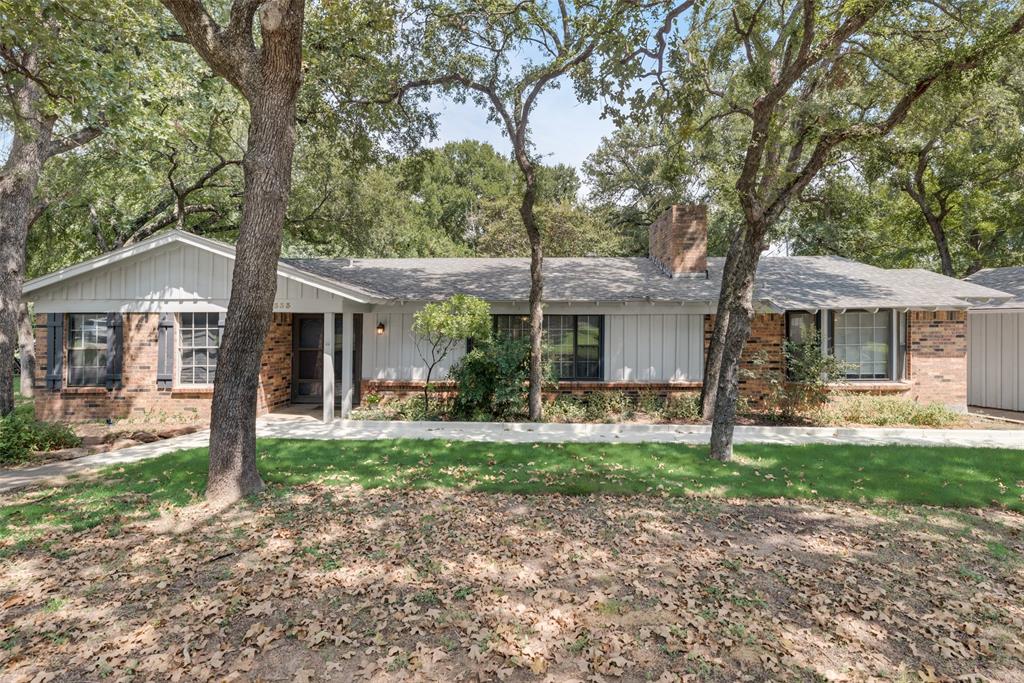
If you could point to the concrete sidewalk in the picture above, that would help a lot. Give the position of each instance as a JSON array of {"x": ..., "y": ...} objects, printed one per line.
[{"x": 297, "y": 426}]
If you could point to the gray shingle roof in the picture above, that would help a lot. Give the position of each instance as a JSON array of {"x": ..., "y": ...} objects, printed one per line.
[
  {"x": 1009, "y": 280},
  {"x": 795, "y": 282}
]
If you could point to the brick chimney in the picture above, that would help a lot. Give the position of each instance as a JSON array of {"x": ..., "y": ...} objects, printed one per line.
[{"x": 679, "y": 240}]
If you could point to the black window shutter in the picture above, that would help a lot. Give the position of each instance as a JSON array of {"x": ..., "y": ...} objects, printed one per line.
[
  {"x": 54, "y": 350},
  {"x": 165, "y": 352},
  {"x": 115, "y": 350}
]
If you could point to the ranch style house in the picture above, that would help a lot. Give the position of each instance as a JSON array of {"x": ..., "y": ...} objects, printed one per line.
[{"x": 136, "y": 331}]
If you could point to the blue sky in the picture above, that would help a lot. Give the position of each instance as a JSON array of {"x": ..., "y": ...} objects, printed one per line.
[{"x": 563, "y": 129}]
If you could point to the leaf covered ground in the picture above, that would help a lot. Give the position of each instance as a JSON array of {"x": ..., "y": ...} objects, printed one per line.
[{"x": 339, "y": 582}]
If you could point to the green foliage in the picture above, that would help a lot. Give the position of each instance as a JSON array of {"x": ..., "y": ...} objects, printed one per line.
[
  {"x": 20, "y": 435},
  {"x": 883, "y": 411},
  {"x": 805, "y": 383},
  {"x": 563, "y": 408},
  {"x": 458, "y": 317},
  {"x": 608, "y": 406},
  {"x": 683, "y": 408},
  {"x": 492, "y": 380},
  {"x": 810, "y": 374},
  {"x": 440, "y": 326}
]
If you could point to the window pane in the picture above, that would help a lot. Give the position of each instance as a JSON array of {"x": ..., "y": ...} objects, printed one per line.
[
  {"x": 87, "y": 349},
  {"x": 199, "y": 335},
  {"x": 862, "y": 339}
]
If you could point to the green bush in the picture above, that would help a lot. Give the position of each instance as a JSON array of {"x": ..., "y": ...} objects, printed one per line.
[
  {"x": 565, "y": 409},
  {"x": 651, "y": 403},
  {"x": 685, "y": 408},
  {"x": 805, "y": 385},
  {"x": 608, "y": 406},
  {"x": 883, "y": 411},
  {"x": 20, "y": 435},
  {"x": 492, "y": 380}
]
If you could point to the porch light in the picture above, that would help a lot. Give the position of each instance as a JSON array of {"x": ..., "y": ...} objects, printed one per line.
[{"x": 380, "y": 329}]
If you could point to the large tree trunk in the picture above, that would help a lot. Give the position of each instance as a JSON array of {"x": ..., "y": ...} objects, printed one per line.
[
  {"x": 716, "y": 347},
  {"x": 536, "y": 406},
  {"x": 738, "y": 289},
  {"x": 18, "y": 181},
  {"x": 267, "y": 169},
  {"x": 27, "y": 341}
]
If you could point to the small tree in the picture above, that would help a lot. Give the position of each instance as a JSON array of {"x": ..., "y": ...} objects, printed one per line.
[{"x": 442, "y": 325}]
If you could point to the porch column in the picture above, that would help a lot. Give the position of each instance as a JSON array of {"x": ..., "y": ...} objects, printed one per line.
[
  {"x": 328, "y": 367},
  {"x": 347, "y": 341}
]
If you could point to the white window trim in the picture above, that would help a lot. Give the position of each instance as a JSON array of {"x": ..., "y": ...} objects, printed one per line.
[{"x": 178, "y": 349}]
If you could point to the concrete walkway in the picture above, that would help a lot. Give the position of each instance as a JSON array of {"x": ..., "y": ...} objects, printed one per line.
[{"x": 300, "y": 426}]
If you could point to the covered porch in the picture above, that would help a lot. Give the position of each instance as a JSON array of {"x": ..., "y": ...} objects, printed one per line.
[
  {"x": 326, "y": 365},
  {"x": 319, "y": 363}
]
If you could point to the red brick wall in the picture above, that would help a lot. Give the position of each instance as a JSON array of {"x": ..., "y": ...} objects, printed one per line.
[
  {"x": 767, "y": 333},
  {"x": 138, "y": 397},
  {"x": 678, "y": 240},
  {"x": 937, "y": 357}
]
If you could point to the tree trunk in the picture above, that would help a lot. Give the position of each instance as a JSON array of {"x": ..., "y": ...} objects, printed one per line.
[
  {"x": 941, "y": 244},
  {"x": 536, "y": 295},
  {"x": 738, "y": 289},
  {"x": 267, "y": 170},
  {"x": 18, "y": 181},
  {"x": 716, "y": 347},
  {"x": 27, "y": 341}
]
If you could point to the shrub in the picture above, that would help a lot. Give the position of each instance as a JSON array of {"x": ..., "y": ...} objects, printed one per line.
[
  {"x": 20, "y": 435},
  {"x": 806, "y": 383},
  {"x": 883, "y": 411},
  {"x": 651, "y": 403},
  {"x": 685, "y": 408},
  {"x": 565, "y": 409},
  {"x": 492, "y": 380},
  {"x": 608, "y": 406}
]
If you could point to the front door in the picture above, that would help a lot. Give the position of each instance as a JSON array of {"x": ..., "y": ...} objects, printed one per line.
[{"x": 308, "y": 358}]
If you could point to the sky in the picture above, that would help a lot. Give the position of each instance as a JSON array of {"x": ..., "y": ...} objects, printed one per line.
[{"x": 564, "y": 131}]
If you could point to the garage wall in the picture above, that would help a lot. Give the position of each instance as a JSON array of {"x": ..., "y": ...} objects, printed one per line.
[{"x": 995, "y": 359}]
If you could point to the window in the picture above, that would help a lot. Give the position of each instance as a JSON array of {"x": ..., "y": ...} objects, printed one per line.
[
  {"x": 863, "y": 340},
  {"x": 801, "y": 326},
  {"x": 87, "y": 349},
  {"x": 574, "y": 342},
  {"x": 198, "y": 339}
]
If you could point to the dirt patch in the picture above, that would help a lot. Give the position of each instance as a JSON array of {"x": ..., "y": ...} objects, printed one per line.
[{"x": 318, "y": 583}]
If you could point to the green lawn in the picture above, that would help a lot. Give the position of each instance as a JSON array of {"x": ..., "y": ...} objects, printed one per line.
[{"x": 954, "y": 477}]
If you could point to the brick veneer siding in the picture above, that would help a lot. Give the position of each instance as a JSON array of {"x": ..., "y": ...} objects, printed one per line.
[
  {"x": 138, "y": 397},
  {"x": 762, "y": 355},
  {"x": 937, "y": 357},
  {"x": 678, "y": 240}
]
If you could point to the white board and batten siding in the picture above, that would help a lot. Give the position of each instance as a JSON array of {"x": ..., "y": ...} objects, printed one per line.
[
  {"x": 654, "y": 347},
  {"x": 637, "y": 348},
  {"x": 395, "y": 355},
  {"x": 175, "y": 277},
  {"x": 995, "y": 359}
]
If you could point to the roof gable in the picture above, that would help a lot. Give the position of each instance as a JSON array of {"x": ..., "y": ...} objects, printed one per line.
[{"x": 174, "y": 265}]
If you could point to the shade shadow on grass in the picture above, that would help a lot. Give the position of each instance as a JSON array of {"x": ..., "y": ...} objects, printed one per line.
[{"x": 953, "y": 477}]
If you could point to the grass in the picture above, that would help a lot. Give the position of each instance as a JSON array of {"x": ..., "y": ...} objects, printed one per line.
[{"x": 952, "y": 477}]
